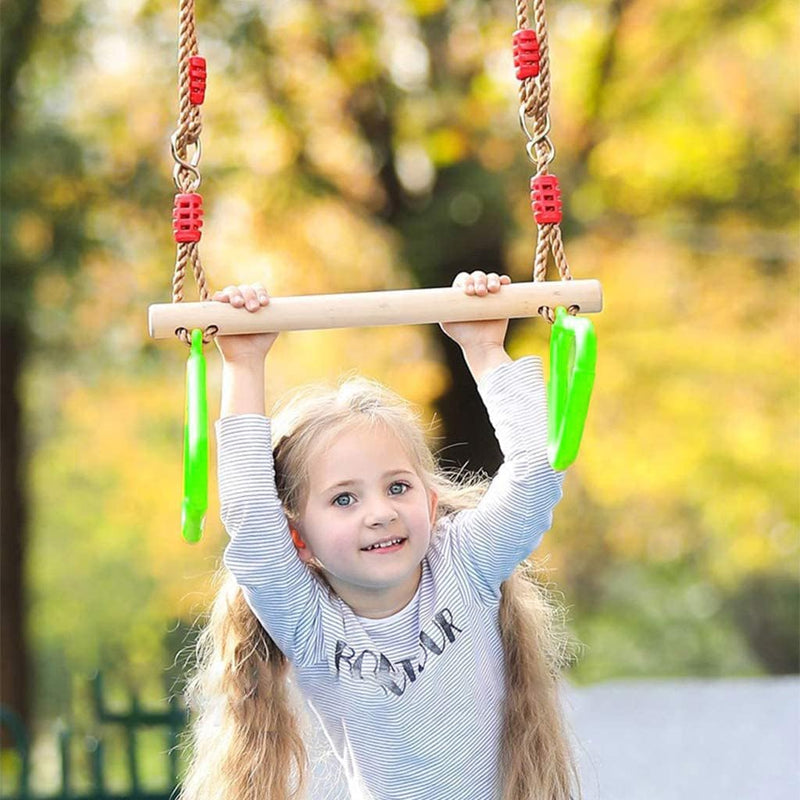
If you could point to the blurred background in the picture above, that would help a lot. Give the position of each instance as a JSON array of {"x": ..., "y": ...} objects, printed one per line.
[{"x": 375, "y": 144}]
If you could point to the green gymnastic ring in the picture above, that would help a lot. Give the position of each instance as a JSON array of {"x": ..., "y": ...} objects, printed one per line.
[
  {"x": 195, "y": 443},
  {"x": 573, "y": 357}
]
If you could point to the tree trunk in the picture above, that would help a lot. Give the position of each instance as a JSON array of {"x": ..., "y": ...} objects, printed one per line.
[
  {"x": 14, "y": 669},
  {"x": 21, "y": 22},
  {"x": 436, "y": 249}
]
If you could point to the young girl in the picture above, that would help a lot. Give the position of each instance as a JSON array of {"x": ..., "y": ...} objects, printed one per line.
[{"x": 388, "y": 593}]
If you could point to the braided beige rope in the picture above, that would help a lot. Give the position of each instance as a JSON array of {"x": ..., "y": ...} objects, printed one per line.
[
  {"x": 186, "y": 135},
  {"x": 543, "y": 100},
  {"x": 535, "y": 98},
  {"x": 189, "y": 121}
]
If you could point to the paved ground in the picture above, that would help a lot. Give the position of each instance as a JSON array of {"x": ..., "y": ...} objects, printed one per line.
[
  {"x": 689, "y": 740},
  {"x": 673, "y": 740}
]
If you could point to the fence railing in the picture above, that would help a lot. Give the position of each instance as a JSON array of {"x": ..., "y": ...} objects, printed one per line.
[{"x": 131, "y": 722}]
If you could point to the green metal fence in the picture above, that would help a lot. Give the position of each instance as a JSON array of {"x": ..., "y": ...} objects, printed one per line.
[{"x": 171, "y": 719}]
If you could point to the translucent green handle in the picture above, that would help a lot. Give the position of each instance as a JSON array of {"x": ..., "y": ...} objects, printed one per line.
[
  {"x": 573, "y": 356},
  {"x": 195, "y": 443}
]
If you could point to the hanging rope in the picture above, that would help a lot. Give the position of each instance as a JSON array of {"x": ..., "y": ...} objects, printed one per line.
[
  {"x": 532, "y": 62},
  {"x": 186, "y": 148}
]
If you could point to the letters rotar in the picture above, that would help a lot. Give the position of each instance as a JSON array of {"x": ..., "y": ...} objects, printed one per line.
[{"x": 394, "y": 677}]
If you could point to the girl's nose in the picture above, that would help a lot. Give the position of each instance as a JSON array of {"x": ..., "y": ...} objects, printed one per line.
[{"x": 380, "y": 512}]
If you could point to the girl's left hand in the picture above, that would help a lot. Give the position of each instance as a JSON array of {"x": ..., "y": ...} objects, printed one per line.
[{"x": 481, "y": 333}]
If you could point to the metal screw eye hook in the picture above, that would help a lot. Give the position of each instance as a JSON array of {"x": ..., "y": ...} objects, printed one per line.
[{"x": 211, "y": 331}]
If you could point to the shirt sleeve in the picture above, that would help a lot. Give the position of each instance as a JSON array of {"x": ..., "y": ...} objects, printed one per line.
[
  {"x": 511, "y": 518},
  {"x": 279, "y": 588}
]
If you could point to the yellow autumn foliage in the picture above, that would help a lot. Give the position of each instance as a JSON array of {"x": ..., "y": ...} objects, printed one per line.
[{"x": 674, "y": 173}]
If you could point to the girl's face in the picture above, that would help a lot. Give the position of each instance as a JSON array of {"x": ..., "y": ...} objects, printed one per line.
[{"x": 367, "y": 520}]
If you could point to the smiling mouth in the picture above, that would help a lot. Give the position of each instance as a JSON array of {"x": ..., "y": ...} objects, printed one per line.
[{"x": 389, "y": 544}]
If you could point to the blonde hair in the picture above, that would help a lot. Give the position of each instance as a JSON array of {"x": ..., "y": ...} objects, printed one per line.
[{"x": 246, "y": 737}]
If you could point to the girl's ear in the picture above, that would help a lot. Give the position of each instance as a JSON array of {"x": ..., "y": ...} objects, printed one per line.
[
  {"x": 433, "y": 500},
  {"x": 303, "y": 550},
  {"x": 298, "y": 542}
]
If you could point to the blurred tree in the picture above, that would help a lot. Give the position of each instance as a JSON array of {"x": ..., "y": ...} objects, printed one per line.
[
  {"x": 43, "y": 219},
  {"x": 20, "y": 22},
  {"x": 766, "y": 608},
  {"x": 352, "y": 145}
]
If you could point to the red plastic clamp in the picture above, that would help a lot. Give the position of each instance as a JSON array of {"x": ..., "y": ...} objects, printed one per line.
[
  {"x": 197, "y": 80},
  {"x": 187, "y": 217},
  {"x": 546, "y": 200},
  {"x": 526, "y": 53}
]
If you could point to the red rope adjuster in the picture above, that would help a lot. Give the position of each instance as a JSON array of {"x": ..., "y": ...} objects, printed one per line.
[
  {"x": 197, "y": 80},
  {"x": 546, "y": 199},
  {"x": 526, "y": 53},
  {"x": 187, "y": 217}
]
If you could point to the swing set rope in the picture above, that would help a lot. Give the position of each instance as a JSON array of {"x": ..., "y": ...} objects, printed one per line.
[
  {"x": 186, "y": 152},
  {"x": 572, "y": 342},
  {"x": 532, "y": 62},
  {"x": 534, "y": 95}
]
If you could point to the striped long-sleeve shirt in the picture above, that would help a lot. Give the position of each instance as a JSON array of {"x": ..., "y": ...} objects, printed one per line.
[{"x": 413, "y": 703}]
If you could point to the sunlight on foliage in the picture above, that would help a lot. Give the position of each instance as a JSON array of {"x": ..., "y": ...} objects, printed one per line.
[{"x": 353, "y": 146}]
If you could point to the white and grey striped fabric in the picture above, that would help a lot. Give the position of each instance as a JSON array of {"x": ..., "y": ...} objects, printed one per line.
[{"x": 411, "y": 704}]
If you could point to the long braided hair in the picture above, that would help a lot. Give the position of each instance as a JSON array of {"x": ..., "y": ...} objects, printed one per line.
[{"x": 247, "y": 738}]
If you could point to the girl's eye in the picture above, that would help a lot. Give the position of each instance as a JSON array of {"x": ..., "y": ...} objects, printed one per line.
[
  {"x": 343, "y": 500},
  {"x": 398, "y": 487}
]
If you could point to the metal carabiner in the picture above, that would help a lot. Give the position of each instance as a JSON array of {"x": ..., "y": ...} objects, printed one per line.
[
  {"x": 195, "y": 443},
  {"x": 573, "y": 358}
]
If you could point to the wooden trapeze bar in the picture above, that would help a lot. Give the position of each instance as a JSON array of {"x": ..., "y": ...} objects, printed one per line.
[{"x": 368, "y": 309}]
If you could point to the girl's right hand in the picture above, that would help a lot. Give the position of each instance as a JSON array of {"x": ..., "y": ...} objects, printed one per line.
[{"x": 251, "y": 346}]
